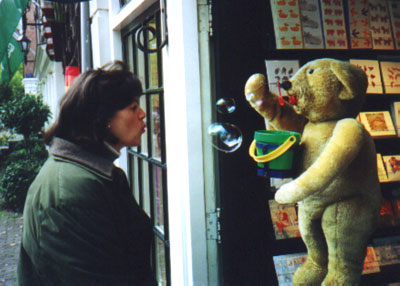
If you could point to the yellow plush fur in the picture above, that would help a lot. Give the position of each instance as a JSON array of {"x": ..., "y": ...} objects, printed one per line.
[{"x": 337, "y": 187}]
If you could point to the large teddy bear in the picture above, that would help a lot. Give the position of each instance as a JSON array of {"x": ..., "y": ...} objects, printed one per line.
[{"x": 337, "y": 188}]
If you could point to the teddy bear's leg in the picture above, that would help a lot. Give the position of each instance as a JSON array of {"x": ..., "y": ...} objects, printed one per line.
[
  {"x": 313, "y": 271},
  {"x": 347, "y": 226}
]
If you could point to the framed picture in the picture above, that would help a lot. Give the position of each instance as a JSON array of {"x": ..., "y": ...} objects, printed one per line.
[
  {"x": 382, "y": 174},
  {"x": 391, "y": 77},
  {"x": 392, "y": 165},
  {"x": 286, "y": 265},
  {"x": 312, "y": 27},
  {"x": 284, "y": 220},
  {"x": 280, "y": 70},
  {"x": 371, "y": 264},
  {"x": 378, "y": 123},
  {"x": 334, "y": 25},
  {"x": 380, "y": 25},
  {"x": 394, "y": 10},
  {"x": 287, "y": 24},
  {"x": 371, "y": 69},
  {"x": 359, "y": 27},
  {"x": 395, "y": 112}
]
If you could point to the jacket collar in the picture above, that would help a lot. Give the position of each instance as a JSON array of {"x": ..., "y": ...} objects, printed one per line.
[{"x": 101, "y": 162}]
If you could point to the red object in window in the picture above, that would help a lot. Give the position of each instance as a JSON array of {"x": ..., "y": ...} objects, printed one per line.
[{"x": 70, "y": 74}]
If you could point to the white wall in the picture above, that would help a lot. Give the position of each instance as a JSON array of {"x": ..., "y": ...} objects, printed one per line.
[{"x": 51, "y": 81}]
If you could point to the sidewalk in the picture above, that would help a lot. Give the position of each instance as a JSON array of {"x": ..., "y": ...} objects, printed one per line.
[{"x": 10, "y": 240}]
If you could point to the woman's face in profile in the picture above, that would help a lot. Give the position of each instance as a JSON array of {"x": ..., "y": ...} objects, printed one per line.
[{"x": 128, "y": 126}]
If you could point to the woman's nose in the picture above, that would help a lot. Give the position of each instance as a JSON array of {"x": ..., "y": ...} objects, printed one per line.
[{"x": 142, "y": 114}]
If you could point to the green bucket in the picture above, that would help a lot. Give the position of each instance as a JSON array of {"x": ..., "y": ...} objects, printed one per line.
[{"x": 275, "y": 147}]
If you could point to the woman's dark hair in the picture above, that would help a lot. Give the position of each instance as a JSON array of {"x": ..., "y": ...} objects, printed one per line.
[{"x": 91, "y": 101}]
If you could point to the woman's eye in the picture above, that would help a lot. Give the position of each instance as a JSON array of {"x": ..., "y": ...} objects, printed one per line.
[{"x": 310, "y": 71}]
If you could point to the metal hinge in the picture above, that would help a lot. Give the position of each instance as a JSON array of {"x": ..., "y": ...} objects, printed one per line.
[{"x": 214, "y": 226}]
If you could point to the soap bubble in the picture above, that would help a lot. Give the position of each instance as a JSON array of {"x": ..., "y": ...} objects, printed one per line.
[
  {"x": 226, "y": 105},
  {"x": 225, "y": 137}
]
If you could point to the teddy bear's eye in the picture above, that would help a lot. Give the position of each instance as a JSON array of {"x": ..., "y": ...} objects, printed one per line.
[{"x": 310, "y": 71}]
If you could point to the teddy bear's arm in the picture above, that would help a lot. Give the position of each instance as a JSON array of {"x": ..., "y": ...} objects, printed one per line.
[
  {"x": 339, "y": 152},
  {"x": 267, "y": 105}
]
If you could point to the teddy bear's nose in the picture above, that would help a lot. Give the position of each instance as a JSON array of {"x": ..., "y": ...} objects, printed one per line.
[{"x": 286, "y": 85}]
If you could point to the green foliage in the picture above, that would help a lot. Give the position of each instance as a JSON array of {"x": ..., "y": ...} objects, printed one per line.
[
  {"x": 21, "y": 168},
  {"x": 26, "y": 115}
]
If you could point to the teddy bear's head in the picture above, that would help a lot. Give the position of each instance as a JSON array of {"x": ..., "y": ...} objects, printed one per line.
[{"x": 328, "y": 89}]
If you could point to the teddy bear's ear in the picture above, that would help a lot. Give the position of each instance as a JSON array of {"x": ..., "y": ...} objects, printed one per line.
[{"x": 353, "y": 79}]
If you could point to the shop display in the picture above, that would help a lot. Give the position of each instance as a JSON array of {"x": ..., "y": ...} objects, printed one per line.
[
  {"x": 379, "y": 124},
  {"x": 344, "y": 161},
  {"x": 371, "y": 69},
  {"x": 382, "y": 174},
  {"x": 284, "y": 220},
  {"x": 380, "y": 25},
  {"x": 286, "y": 265},
  {"x": 312, "y": 28},
  {"x": 392, "y": 166},
  {"x": 387, "y": 250},
  {"x": 395, "y": 112},
  {"x": 371, "y": 263},
  {"x": 360, "y": 33},
  {"x": 280, "y": 71},
  {"x": 288, "y": 31},
  {"x": 394, "y": 9},
  {"x": 391, "y": 77},
  {"x": 334, "y": 25}
]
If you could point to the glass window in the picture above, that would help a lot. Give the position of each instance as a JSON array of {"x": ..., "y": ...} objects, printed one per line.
[{"x": 147, "y": 163}]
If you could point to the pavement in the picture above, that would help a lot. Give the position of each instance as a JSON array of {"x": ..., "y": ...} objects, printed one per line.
[{"x": 10, "y": 241}]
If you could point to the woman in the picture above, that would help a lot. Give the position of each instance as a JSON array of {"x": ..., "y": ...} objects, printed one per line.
[{"x": 82, "y": 225}]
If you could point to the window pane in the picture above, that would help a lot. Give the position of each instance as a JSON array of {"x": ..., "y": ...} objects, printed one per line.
[
  {"x": 144, "y": 148},
  {"x": 153, "y": 57},
  {"x": 160, "y": 262},
  {"x": 155, "y": 126},
  {"x": 135, "y": 177},
  {"x": 140, "y": 64},
  {"x": 158, "y": 198},
  {"x": 129, "y": 49},
  {"x": 146, "y": 188}
]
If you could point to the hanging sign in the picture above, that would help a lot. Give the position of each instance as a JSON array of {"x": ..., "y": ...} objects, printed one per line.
[{"x": 70, "y": 74}]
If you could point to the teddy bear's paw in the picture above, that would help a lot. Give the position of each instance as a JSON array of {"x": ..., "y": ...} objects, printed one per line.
[
  {"x": 309, "y": 274},
  {"x": 287, "y": 193},
  {"x": 256, "y": 89}
]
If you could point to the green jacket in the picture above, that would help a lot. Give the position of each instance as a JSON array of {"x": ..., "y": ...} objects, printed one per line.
[{"x": 82, "y": 225}]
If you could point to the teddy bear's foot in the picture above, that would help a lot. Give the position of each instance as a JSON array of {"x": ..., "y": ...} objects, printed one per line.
[
  {"x": 310, "y": 274},
  {"x": 339, "y": 280}
]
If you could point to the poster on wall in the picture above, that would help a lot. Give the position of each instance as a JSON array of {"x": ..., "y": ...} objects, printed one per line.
[
  {"x": 334, "y": 24},
  {"x": 392, "y": 165},
  {"x": 280, "y": 70},
  {"x": 380, "y": 25},
  {"x": 371, "y": 69},
  {"x": 287, "y": 25},
  {"x": 394, "y": 10},
  {"x": 371, "y": 264},
  {"x": 284, "y": 220},
  {"x": 311, "y": 22},
  {"x": 378, "y": 123},
  {"x": 359, "y": 29},
  {"x": 391, "y": 77},
  {"x": 286, "y": 265}
]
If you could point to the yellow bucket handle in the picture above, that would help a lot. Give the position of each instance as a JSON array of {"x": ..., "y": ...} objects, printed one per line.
[{"x": 274, "y": 154}]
